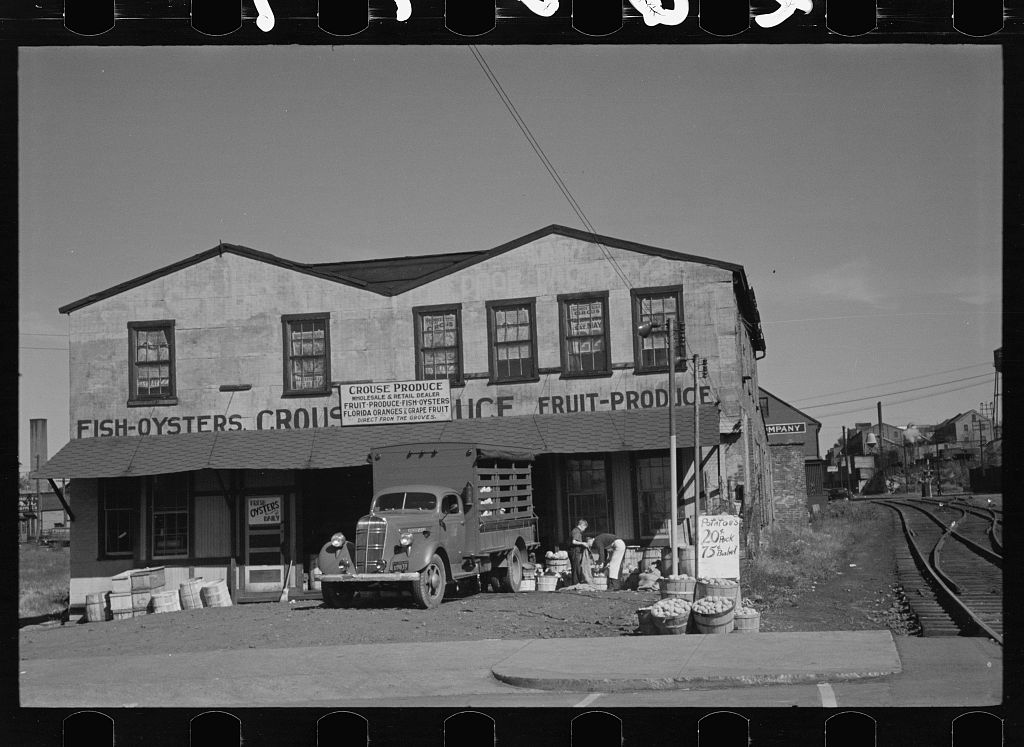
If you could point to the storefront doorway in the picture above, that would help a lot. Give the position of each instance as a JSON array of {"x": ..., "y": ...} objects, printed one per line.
[{"x": 264, "y": 565}]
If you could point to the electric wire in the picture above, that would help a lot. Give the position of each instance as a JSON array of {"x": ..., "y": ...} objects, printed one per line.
[
  {"x": 885, "y": 383},
  {"x": 536, "y": 146},
  {"x": 902, "y": 391},
  {"x": 907, "y": 399}
]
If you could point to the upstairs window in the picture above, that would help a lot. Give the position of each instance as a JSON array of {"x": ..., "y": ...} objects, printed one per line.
[
  {"x": 151, "y": 363},
  {"x": 584, "y": 326},
  {"x": 438, "y": 332},
  {"x": 656, "y": 306},
  {"x": 512, "y": 334},
  {"x": 307, "y": 354}
]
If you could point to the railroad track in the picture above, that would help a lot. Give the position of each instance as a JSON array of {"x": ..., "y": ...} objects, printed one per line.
[{"x": 951, "y": 566}]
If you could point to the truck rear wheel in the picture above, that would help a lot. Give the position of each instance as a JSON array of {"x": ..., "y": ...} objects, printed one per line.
[
  {"x": 428, "y": 589},
  {"x": 512, "y": 577},
  {"x": 336, "y": 595}
]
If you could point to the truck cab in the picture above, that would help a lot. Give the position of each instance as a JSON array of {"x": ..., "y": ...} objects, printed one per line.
[{"x": 474, "y": 518}]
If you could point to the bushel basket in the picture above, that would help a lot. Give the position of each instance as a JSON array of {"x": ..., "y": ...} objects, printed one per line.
[{"x": 720, "y": 622}]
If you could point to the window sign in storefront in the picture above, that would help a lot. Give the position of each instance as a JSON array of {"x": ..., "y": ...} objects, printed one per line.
[
  {"x": 396, "y": 402},
  {"x": 264, "y": 510},
  {"x": 718, "y": 546}
]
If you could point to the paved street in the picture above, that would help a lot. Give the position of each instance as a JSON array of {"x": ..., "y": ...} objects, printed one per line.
[{"x": 462, "y": 674}]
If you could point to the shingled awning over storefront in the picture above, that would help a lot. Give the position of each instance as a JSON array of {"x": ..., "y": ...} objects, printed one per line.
[{"x": 348, "y": 446}]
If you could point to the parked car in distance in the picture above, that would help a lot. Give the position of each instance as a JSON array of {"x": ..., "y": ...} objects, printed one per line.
[{"x": 839, "y": 494}]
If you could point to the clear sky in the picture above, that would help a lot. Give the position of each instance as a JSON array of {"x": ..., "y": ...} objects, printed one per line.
[{"x": 860, "y": 186}]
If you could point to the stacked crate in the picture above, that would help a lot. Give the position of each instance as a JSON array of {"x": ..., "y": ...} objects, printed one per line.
[{"x": 133, "y": 591}]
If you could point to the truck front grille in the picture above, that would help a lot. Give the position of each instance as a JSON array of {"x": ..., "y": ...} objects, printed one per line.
[{"x": 369, "y": 543}]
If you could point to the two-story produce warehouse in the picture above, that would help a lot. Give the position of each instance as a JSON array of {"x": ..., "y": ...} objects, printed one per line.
[{"x": 223, "y": 407}]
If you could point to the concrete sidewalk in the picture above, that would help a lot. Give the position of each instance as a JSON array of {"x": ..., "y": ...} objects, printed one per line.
[
  {"x": 295, "y": 676},
  {"x": 699, "y": 661}
]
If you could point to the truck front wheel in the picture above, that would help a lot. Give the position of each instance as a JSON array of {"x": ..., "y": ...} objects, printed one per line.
[
  {"x": 512, "y": 576},
  {"x": 336, "y": 595},
  {"x": 428, "y": 589}
]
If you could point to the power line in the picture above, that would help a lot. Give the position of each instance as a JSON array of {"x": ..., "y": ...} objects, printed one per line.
[
  {"x": 908, "y": 399},
  {"x": 43, "y": 334},
  {"x": 30, "y": 347},
  {"x": 535, "y": 145},
  {"x": 893, "y": 381},
  {"x": 903, "y": 391}
]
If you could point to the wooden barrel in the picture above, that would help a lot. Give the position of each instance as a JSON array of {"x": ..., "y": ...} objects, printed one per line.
[
  {"x": 650, "y": 556},
  {"x": 686, "y": 556},
  {"x": 188, "y": 592},
  {"x": 675, "y": 625},
  {"x": 529, "y": 583},
  {"x": 747, "y": 620},
  {"x": 723, "y": 622},
  {"x": 166, "y": 601},
  {"x": 703, "y": 589},
  {"x": 215, "y": 594},
  {"x": 631, "y": 558},
  {"x": 677, "y": 586},
  {"x": 558, "y": 565},
  {"x": 97, "y": 608},
  {"x": 645, "y": 621},
  {"x": 547, "y": 583}
]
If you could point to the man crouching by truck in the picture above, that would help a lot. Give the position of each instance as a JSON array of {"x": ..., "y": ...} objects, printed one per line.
[{"x": 609, "y": 551}]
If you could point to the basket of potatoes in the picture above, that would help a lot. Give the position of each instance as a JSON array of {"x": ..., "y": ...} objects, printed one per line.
[
  {"x": 671, "y": 615},
  {"x": 713, "y": 614}
]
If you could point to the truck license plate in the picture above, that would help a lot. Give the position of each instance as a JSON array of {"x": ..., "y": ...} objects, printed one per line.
[{"x": 400, "y": 565}]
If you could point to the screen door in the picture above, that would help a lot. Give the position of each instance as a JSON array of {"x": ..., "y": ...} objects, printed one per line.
[{"x": 264, "y": 537}]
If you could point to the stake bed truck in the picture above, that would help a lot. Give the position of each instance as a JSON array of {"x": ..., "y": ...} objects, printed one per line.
[{"x": 440, "y": 513}]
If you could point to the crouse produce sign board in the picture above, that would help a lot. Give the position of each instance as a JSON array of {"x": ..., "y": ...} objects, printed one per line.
[
  {"x": 396, "y": 402},
  {"x": 718, "y": 546}
]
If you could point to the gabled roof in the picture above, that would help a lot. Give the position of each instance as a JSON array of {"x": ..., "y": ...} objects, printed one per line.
[
  {"x": 806, "y": 417},
  {"x": 393, "y": 276}
]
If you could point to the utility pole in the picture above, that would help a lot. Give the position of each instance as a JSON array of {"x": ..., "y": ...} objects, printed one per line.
[
  {"x": 881, "y": 449},
  {"x": 696, "y": 470},
  {"x": 846, "y": 461}
]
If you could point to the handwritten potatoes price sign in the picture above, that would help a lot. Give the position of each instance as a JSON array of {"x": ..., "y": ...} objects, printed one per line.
[{"x": 718, "y": 546}]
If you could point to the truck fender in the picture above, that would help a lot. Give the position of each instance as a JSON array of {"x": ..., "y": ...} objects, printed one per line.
[
  {"x": 499, "y": 559},
  {"x": 422, "y": 554},
  {"x": 328, "y": 561}
]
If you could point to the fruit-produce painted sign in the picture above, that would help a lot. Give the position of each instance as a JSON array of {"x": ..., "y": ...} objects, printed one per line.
[{"x": 718, "y": 546}]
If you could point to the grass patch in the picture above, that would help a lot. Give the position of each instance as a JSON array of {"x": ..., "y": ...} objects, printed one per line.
[
  {"x": 44, "y": 581},
  {"x": 798, "y": 557}
]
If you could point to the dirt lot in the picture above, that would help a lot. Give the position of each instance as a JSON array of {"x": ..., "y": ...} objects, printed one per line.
[{"x": 859, "y": 597}]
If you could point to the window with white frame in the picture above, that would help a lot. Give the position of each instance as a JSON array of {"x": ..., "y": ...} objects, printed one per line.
[
  {"x": 151, "y": 379},
  {"x": 438, "y": 342},
  {"x": 512, "y": 332},
  {"x": 656, "y": 306},
  {"x": 307, "y": 354},
  {"x": 584, "y": 327}
]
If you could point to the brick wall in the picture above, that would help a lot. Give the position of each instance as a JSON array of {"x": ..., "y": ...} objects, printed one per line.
[{"x": 789, "y": 482}]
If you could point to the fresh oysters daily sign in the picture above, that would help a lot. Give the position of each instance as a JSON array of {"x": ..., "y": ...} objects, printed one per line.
[
  {"x": 396, "y": 402},
  {"x": 718, "y": 546},
  {"x": 264, "y": 510}
]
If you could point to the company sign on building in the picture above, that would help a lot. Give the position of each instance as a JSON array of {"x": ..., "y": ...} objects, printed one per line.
[{"x": 396, "y": 402}]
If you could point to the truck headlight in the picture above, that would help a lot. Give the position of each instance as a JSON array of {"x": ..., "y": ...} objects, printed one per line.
[
  {"x": 406, "y": 539},
  {"x": 337, "y": 539},
  {"x": 381, "y": 565}
]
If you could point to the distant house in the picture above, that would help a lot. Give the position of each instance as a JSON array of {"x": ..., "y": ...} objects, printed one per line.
[
  {"x": 798, "y": 471},
  {"x": 965, "y": 431}
]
